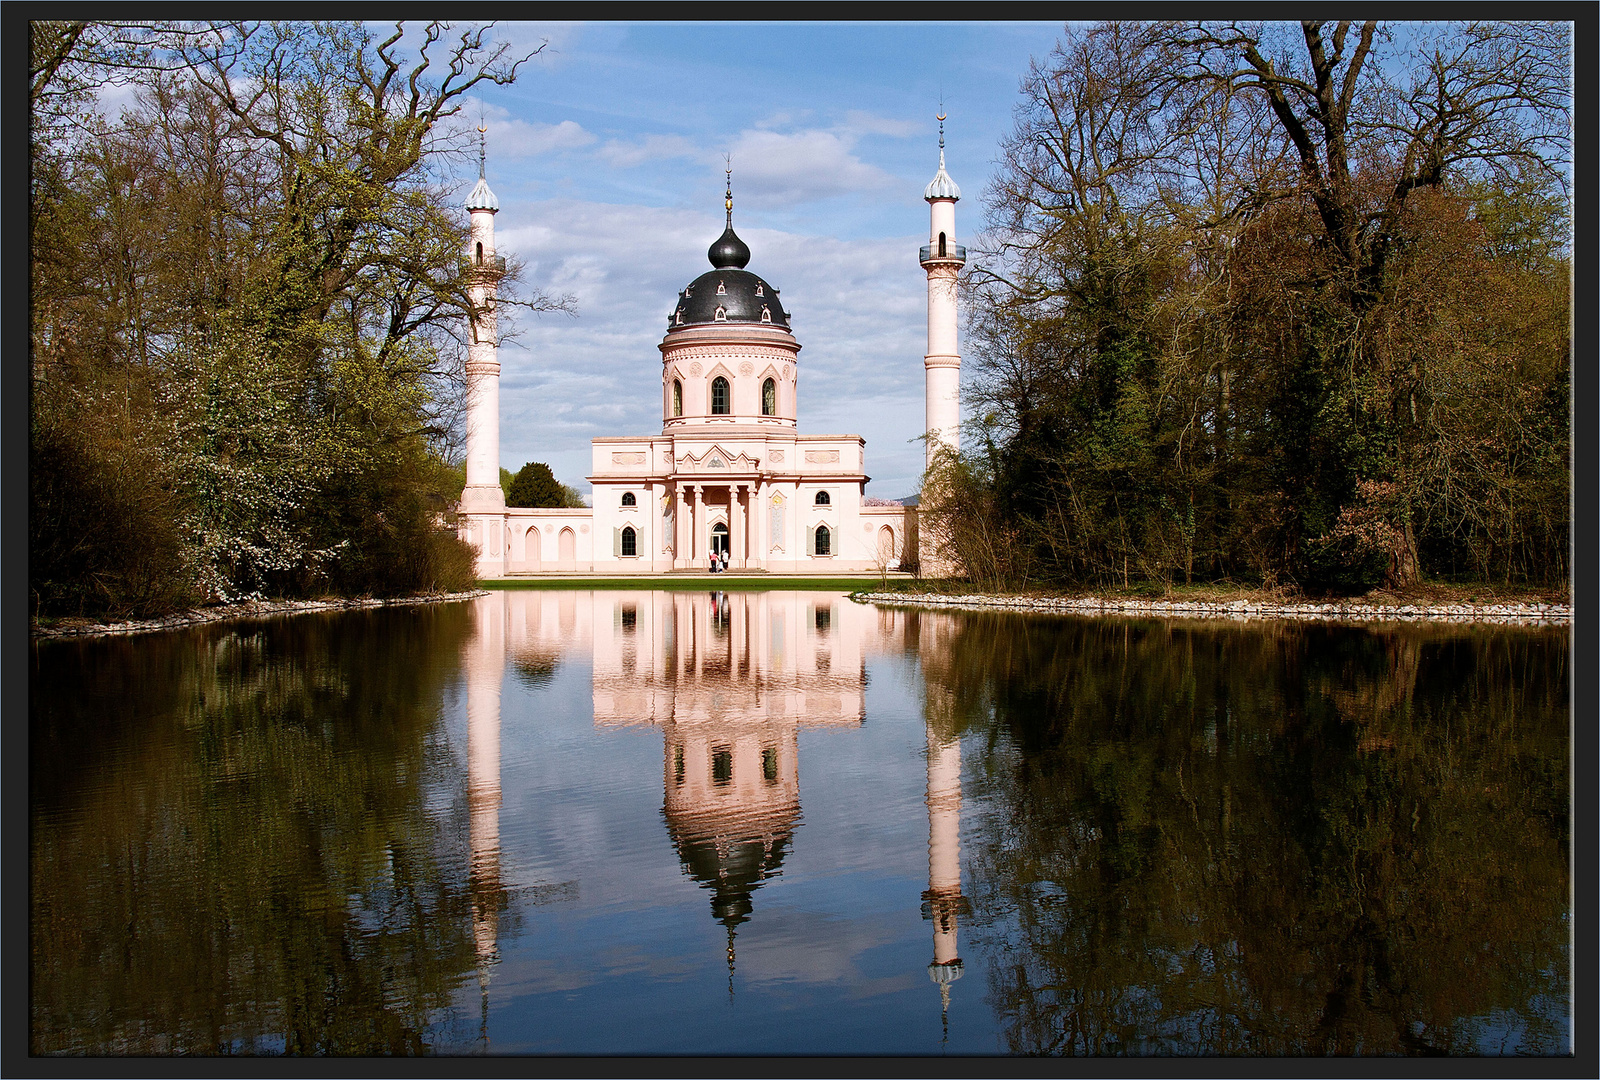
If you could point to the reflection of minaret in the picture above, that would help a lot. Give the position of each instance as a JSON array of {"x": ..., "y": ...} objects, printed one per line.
[
  {"x": 485, "y": 672},
  {"x": 943, "y": 900}
]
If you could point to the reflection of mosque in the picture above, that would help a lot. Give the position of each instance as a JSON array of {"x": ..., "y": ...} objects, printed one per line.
[{"x": 729, "y": 678}]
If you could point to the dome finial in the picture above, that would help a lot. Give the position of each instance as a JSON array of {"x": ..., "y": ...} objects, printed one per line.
[
  {"x": 482, "y": 198},
  {"x": 729, "y": 250},
  {"x": 942, "y": 187}
]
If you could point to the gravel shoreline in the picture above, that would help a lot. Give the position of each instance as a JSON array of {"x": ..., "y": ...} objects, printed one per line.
[
  {"x": 1527, "y": 614},
  {"x": 249, "y": 609}
]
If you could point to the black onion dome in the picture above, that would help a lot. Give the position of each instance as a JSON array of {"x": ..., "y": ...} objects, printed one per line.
[
  {"x": 728, "y": 251},
  {"x": 739, "y": 295}
]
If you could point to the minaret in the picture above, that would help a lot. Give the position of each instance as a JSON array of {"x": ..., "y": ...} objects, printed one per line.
[
  {"x": 483, "y": 503},
  {"x": 942, "y": 259}
]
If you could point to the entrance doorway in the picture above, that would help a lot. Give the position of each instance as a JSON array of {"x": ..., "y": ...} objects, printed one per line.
[{"x": 719, "y": 538}]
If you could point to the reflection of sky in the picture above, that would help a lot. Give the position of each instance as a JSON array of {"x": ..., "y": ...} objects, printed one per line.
[{"x": 834, "y": 955}]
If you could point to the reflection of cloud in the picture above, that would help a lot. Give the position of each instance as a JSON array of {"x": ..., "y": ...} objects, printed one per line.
[{"x": 786, "y": 945}]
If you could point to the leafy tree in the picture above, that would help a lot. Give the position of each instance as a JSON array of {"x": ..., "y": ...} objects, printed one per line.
[
  {"x": 263, "y": 256},
  {"x": 1226, "y": 314},
  {"x": 536, "y": 486}
]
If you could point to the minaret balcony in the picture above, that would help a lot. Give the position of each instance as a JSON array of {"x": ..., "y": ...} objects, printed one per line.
[
  {"x": 953, "y": 254},
  {"x": 494, "y": 266}
]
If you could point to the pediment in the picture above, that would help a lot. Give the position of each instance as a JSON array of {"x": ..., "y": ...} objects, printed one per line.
[{"x": 718, "y": 459}]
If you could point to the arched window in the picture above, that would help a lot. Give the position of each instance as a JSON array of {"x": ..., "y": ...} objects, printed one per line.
[
  {"x": 677, "y": 398},
  {"x": 630, "y": 541},
  {"x": 719, "y": 396},
  {"x": 822, "y": 498},
  {"x": 941, "y": 243},
  {"x": 480, "y": 253},
  {"x": 628, "y": 499},
  {"x": 824, "y": 540},
  {"x": 769, "y": 398}
]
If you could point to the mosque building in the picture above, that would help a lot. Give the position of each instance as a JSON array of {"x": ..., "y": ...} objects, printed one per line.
[{"x": 729, "y": 471}]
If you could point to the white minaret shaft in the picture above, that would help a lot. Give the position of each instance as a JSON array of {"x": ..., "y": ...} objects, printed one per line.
[
  {"x": 482, "y": 500},
  {"x": 942, "y": 259}
]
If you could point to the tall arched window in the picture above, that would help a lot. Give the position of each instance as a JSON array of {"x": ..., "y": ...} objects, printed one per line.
[
  {"x": 824, "y": 540},
  {"x": 480, "y": 253},
  {"x": 822, "y": 498},
  {"x": 941, "y": 243},
  {"x": 769, "y": 398},
  {"x": 630, "y": 541},
  {"x": 677, "y": 398},
  {"x": 628, "y": 499},
  {"x": 719, "y": 396}
]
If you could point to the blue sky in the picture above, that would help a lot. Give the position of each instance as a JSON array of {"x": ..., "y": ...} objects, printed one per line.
[{"x": 607, "y": 158}]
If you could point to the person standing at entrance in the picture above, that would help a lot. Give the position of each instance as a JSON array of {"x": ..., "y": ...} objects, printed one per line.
[
  {"x": 713, "y": 560},
  {"x": 724, "y": 566}
]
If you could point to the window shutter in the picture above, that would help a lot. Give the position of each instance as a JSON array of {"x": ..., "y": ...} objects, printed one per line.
[
  {"x": 616, "y": 543},
  {"x": 811, "y": 539}
]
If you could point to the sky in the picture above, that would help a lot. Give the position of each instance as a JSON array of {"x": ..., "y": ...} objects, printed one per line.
[{"x": 606, "y": 155}]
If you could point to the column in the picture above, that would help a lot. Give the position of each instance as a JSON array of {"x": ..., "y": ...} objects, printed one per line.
[
  {"x": 735, "y": 529},
  {"x": 702, "y": 537},
  {"x": 680, "y": 524}
]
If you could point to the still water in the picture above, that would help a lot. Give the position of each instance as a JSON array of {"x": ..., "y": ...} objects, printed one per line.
[{"x": 705, "y": 823}]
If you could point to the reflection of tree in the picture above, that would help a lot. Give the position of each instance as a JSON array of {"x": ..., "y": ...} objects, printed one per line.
[
  {"x": 248, "y": 862},
  {"x": 1292, "y": 840}
]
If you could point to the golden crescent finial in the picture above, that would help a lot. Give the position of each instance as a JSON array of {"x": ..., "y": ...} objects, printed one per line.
[
  {"x": 942, "y": 117},
  {"x": 482, "y": 129}
]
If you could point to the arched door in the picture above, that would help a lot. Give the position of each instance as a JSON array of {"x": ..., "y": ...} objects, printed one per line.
[
  {"x": 719, "y": 537},
  {"x": 530, "y": 548},
  {"x": 886, "y": 546},
  {"x": 569, "y": 550}
]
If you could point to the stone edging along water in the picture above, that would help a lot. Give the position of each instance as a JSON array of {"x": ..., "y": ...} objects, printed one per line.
[
  {"x": 247, "y": 609},
  {"x": 1528, "y": 614}
]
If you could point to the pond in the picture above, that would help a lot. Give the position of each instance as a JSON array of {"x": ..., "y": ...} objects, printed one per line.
[{"x": 680, "y": 822}]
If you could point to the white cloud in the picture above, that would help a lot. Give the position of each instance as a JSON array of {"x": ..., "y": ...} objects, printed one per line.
[
  {"x": 624, "y": 155},
  {"x": 510, "y": 138},
  {"x": 867, "y": 123},
  {"x": 859, "y": 316},
  {"x": 781, "y": 170}
]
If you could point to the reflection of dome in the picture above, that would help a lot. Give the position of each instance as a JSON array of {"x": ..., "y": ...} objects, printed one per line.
[{"x": 731, "y": 868}]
